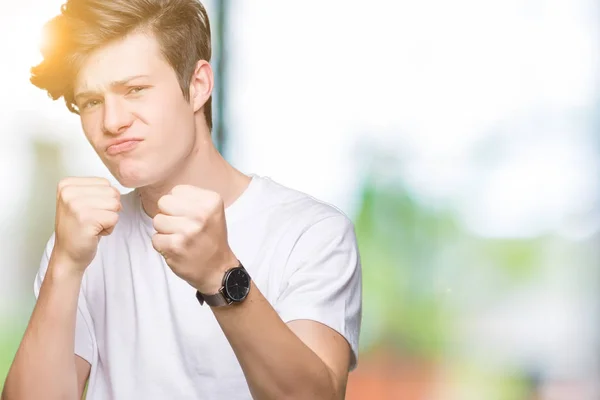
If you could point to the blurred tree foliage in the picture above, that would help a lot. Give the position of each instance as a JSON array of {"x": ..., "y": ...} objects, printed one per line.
[
  {"x": 420, "y": 266},
  {"x": 398, "y": 241}
]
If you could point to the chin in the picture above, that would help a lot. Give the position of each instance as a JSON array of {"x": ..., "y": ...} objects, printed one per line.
[
  {"x": 131, "y": 182},
  {"x": 133, "y": 176},
  {"x": 138, "y": 173}
]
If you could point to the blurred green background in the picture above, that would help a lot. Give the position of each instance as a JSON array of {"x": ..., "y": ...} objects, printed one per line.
[{"x": 461, "y": 138}]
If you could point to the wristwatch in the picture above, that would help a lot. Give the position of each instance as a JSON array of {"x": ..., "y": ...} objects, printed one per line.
[{"x": 235, "y": 288}]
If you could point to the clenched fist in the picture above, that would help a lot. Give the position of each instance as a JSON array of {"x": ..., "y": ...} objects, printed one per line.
[
  {"x": 86, "y": 209},
  {"x": 192, "y": 236}
]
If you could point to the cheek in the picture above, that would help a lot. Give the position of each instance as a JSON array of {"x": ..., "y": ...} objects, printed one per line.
[
  {"x": 174, "y": 126},
  {"x": 92, "y": 133}
]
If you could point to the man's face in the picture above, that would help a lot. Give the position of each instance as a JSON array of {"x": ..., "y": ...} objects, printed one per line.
[{"x": 133, "y": 111}]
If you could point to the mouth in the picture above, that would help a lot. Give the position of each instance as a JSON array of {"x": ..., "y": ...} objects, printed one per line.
[{"x": 122, "y": 147}]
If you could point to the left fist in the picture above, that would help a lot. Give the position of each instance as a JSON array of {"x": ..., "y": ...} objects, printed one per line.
[{"x": 192, "y": 236}]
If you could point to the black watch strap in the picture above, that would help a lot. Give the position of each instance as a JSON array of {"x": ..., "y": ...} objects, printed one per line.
[{"x": 213, "y": 300}]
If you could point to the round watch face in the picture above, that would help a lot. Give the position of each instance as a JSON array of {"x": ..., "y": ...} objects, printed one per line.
[{"x": 237, "y": 284}]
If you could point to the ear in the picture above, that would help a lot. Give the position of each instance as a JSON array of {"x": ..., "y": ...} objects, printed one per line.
[{"x": 201, "y": 84}]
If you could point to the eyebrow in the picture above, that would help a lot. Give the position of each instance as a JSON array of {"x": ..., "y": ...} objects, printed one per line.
[{"x": 121, "y": 82}]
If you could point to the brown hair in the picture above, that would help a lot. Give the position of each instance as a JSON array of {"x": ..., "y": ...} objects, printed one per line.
[{"x": 181, "y": 28}]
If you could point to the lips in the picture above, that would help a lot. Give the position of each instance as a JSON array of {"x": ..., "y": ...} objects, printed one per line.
[{"x": 122, "y": 146}]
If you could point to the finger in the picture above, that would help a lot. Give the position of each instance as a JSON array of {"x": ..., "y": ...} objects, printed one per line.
[
  {"x": 98, "y": 203},
  {"x": 186, "y": 190},
  {"x": 107, "y": 232},
  {"x": 161, "y": 242},
  {"x": 169, "y": 245},
  {"x": 203, "y": 198},
  {"x": 168, "y": 224},
  {"x": 105, "y": 221},
  {"x": 83, "y": 181},
  {"x": 177, "y": 206},
  {"x": 71, "y": 192}
]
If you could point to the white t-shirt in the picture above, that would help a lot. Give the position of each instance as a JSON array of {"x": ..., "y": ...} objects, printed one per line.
[{"x": 142, "y": 329}]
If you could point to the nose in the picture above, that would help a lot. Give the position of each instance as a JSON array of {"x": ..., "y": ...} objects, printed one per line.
[{"x": 116, "y": 116}]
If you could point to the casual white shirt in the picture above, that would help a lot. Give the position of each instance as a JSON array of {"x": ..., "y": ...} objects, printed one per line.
[{"x": 145, "y": 334}]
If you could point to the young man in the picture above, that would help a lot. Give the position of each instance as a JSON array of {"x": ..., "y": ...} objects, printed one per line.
[{"x": 202, "y": 282}]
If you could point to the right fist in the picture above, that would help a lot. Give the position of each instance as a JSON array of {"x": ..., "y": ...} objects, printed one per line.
[{"x": 86, "y": 209}]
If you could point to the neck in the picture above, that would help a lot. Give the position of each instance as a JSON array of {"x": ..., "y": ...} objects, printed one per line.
[{"x": 205, "y": 168}]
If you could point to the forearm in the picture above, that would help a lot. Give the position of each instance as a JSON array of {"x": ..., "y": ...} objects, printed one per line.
[
  {"x": 276, "y": 363},
  {"x": 44, "y": 366}
]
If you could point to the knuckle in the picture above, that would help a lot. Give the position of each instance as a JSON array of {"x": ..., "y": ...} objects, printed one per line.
[
  {"x": 178, "y": 189},
  {"x": 64, "y": 192},
  {"x": 198, "y": 214},
  {"x": 163, "y": 201},
  {"x": 170, "y": 203},
  {"x": 215, "y": 200},
  {"x": 114, "y": 217},
  {"x": 157, "y": 221},
  {"x": 62, "y": 184},
  {"x": 192, "y": 229},
  {"x": 69, "y": 201},
  {"x": 80, "y": 214},
  {"x": 115, "y": 205},
  {"x": 183, "y": 189},
  {"x": 177, "y": 244},
  {"x": 103, "y": 181},
  {"x": 115, "y": 192},
  {"x": 216, "y": 197}
]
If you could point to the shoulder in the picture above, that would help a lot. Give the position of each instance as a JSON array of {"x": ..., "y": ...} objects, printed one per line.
[
  {"x": 302, "y": 209},
  {"x": 305, "y": 224}
]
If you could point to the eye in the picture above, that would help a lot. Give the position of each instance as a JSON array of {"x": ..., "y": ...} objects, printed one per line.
[
  {"x": 90, "y": 103},
  {"x": 136, "y": 89}
]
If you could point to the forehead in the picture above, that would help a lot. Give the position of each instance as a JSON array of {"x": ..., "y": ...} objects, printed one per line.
[{"x": 135, "y": 54}]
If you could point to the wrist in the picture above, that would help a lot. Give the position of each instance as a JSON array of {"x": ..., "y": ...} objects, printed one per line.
[
  {"x": 62, "y": 267},
  {"x": 214, "y": 280}
]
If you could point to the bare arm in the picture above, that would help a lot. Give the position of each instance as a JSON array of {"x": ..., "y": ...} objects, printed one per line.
[
  {"x": 305, "y": 358},
  {"x": 83, "y": 373},
  {"x": 45, "y": 365},
  {"x": 300, "y": 360}
]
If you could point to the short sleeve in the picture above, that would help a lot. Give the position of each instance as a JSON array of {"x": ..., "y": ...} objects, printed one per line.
[
  {"x": 84, "y": 342},
  {"x": 323, "y": 280}
]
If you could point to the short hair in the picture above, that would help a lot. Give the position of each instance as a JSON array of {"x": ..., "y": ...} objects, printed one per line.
[{"x": 181, "y": 28}]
